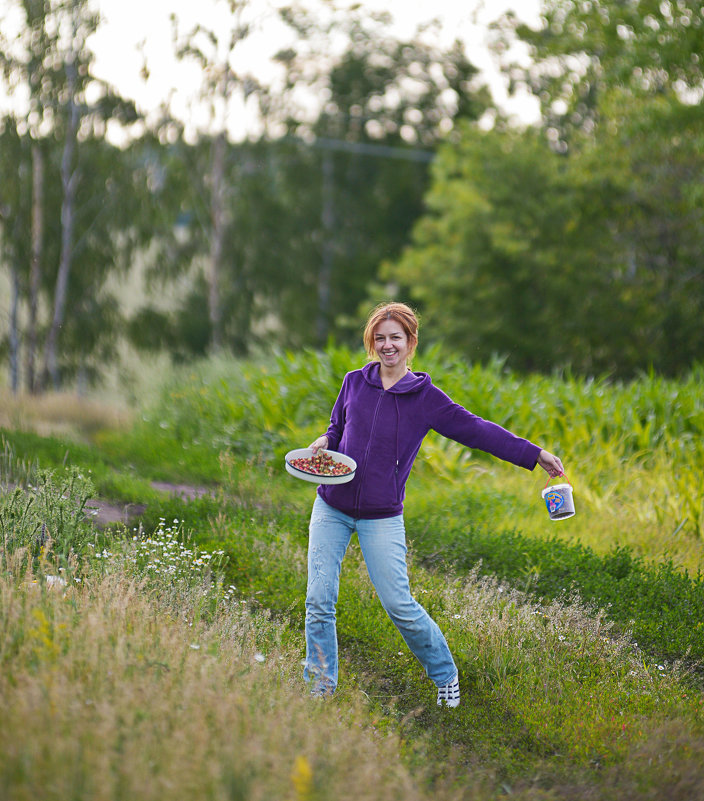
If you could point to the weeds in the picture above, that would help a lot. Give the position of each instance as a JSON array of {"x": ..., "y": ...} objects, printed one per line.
[
  {"x": 47, "y": 511},
  {"x": 15, "y": 471},
  {"x": 109, "y": 690},
  {"x": 570, "y": 641}
]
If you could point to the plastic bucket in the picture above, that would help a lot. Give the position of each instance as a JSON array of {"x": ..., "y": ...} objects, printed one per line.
[{"x": 559, "y": 501}]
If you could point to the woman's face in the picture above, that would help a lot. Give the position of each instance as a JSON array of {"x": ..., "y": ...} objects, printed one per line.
[{"x": 391, "y": 344}]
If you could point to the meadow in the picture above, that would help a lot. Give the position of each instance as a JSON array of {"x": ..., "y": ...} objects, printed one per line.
[{"x": 141, "y": 661}]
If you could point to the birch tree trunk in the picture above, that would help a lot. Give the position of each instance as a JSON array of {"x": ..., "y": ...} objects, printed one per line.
[
  {"x": 69, "y": 181},
  {"x": 15, "y": 285},
  {"x": 327, "y": 255},
  {"x": 14, "y": 331},
  {"x": 217, "y": 236},
  {"x": 35, "y": 264}
]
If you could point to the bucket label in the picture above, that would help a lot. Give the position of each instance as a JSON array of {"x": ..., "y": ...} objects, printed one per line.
[{"x": 554, "y": 501}]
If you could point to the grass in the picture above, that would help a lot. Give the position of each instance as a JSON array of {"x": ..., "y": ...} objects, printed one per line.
[
  {"x": 62, "y": 414},
  {"x": 110, "y": 691},
  {"x": 146, "y": 673},
  {"x": 632, "y": 451},
  {"x": 569, "y": 686},
  {"x": 558, "y": 700},
  {"x": 645, "y": 507}
]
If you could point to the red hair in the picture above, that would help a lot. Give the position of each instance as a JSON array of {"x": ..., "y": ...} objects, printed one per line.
[{"x": 400, "y": 313}]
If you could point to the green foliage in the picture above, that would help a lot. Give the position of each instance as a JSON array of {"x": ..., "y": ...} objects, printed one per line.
[
  {"x": 299, "y": 264},
  {"x": 111, "y": 668},
  {"x": 248, "y": 408},
  {"x": 168, "y": 566},
  {"x": 659, "y": 604},
  {"x": 255, "y": 409},
  {"x": 553, "y": 260},
  {"x": 548, "y": 686},
  {"x": 15, "y": 470},
  {"x": 390, "y": 101},
  {"x": 645, "y": 46},
  {"x": 47, "y": 515},
  {"x": 588, "y": 228},
  {"x": 67, "y": 207},
  {"x": 107, "y": 472},
  {"x": 556, "y": 694}
]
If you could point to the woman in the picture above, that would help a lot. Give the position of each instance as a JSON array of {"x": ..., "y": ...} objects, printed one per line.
[{"x": 380, "y": 418}]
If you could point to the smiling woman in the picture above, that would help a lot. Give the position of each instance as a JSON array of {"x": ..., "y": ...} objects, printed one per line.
[
  {"x": 380, "y": 419},
  {"x": 391, "y": 336}
]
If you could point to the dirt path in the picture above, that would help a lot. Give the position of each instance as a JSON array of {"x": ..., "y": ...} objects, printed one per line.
[{"x": 103, "y": 512}]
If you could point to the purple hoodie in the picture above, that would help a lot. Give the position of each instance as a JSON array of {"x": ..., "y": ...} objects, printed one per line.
[{"x": 382, "y": 430}]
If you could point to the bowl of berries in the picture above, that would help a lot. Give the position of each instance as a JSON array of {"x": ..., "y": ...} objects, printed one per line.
[{"x": 325, "y": 467}]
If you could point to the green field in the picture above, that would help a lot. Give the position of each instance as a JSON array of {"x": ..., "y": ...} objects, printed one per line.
[{"x": 170, "y": 658}]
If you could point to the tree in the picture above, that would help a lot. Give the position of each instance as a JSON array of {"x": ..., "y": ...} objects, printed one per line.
[
  {"x": 588, "y": 259},
  {"x": 49, "y": 61},
  {"x": 79, "y": 30},
  {"x": 258, "y": 249},
  {"x": 384, "y": 105},
  {"x": 653, "y": 149},
  {"x": 14, "y": 214},
  {"x": 310, "y": 209},
  {"x": 22, "y": 62},
  {"x": 500, "y": 262},
  {"x": 620, "y": 83},
  {"x": 582, "y": 50},
  {"x": 213, "y": 50}
]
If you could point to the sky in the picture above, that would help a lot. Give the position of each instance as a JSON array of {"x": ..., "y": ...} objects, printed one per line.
[
  {"x": 135, "y": 29},
  {"x": 131, "y": 22}
]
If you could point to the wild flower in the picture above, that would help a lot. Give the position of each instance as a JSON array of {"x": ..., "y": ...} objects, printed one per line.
[
  {"x": 169, "y": 566},
  {"x": 302, "y": 778}
]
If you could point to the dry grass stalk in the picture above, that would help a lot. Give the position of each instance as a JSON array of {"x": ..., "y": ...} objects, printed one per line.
[{"x": 107, "y": 695}]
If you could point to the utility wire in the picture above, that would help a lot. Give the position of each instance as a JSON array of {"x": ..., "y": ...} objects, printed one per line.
[{"x": 368, "y": 149}]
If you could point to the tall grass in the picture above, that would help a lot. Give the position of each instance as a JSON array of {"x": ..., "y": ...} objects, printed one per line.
[
  {"x": 121, "y": 682},
  {"x": 633, "y": 451},
  {"x": 160, "y": 664},
  {"x": 62, "y": 413},
  {"x": 46, "y": 510},
  {"x": 583, "y": 415},
  {"x": 550, "y": 689}
]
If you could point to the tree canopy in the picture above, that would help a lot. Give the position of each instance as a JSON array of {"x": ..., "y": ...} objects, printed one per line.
[{"x": 574, "y": 242}]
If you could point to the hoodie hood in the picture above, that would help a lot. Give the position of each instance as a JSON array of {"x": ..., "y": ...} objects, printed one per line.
[{"x": 411, "y": 382}]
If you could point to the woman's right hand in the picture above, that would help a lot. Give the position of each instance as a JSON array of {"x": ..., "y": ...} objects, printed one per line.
[{"x": 320, "y": 444}]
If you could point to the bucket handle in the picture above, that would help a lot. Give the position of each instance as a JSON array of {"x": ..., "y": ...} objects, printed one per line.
[{"x": 552, "y": 478}]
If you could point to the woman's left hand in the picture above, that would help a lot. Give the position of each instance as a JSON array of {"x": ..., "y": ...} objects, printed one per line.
[{"x": 551, "y": 464}]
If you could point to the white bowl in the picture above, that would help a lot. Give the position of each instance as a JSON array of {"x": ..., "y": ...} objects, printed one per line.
[{"x": 306, "y": 453}]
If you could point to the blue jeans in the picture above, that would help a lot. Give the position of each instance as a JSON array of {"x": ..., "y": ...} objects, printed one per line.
[{"x": 383, "y": 544}]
